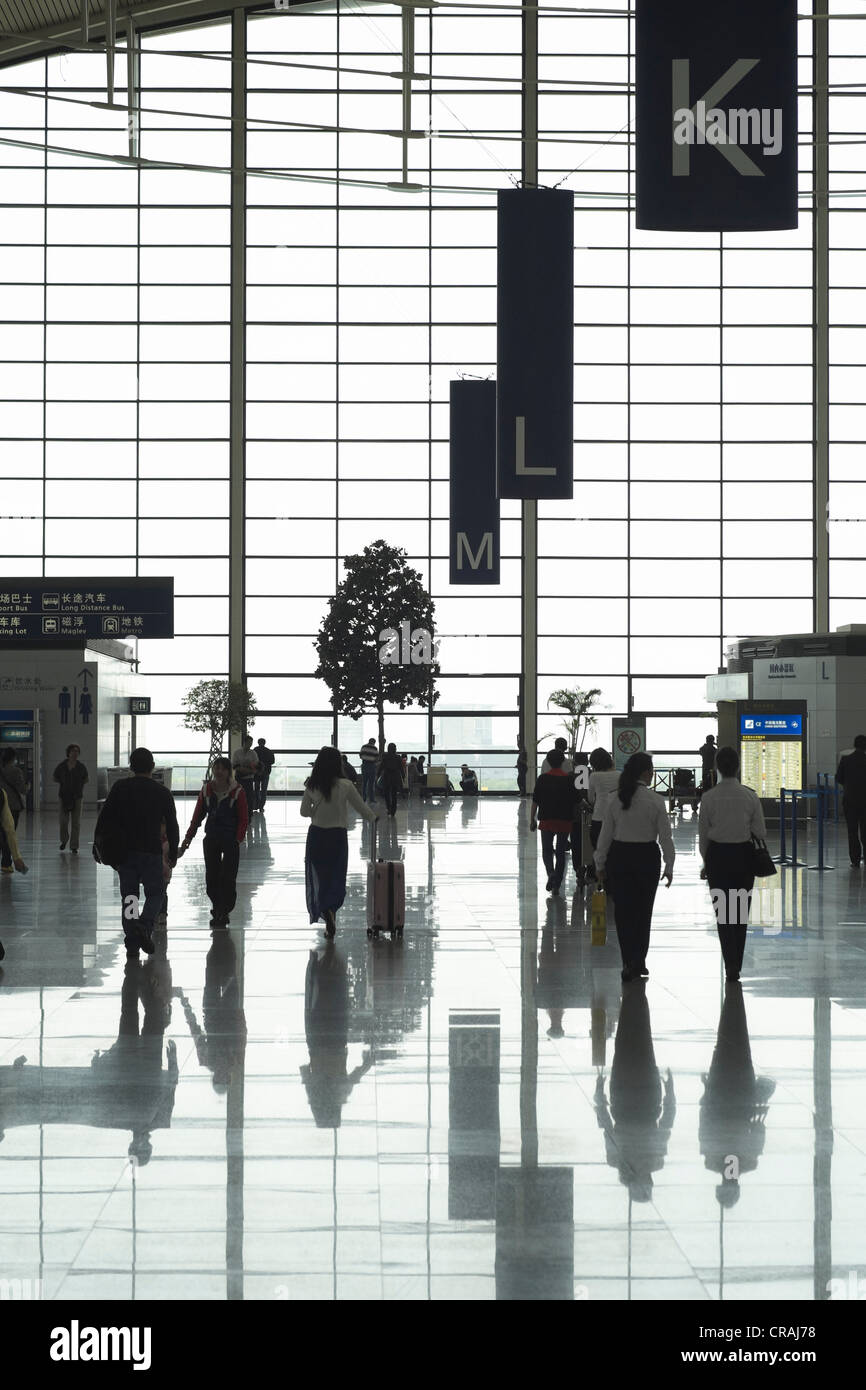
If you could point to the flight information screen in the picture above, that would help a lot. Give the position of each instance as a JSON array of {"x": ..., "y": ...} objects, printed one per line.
[{"x": 768, "y": 764}]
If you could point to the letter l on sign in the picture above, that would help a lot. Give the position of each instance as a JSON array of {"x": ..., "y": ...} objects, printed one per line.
[{"x": 520, "y": 452}]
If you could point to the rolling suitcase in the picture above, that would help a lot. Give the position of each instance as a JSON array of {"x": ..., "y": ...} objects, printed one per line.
[{"x": 386, "y": 894}]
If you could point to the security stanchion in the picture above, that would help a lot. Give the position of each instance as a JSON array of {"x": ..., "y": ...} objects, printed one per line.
[
  {"x": 796, "y": 798},
  {"x": 822, "y": 794},
  {"x": 783, "y": 858}
]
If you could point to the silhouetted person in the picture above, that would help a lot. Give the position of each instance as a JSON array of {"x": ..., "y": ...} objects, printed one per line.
[
  {"x": 71, "y": 776},
  {"x": 325, "y": 803},
  {"x": 561, "y": 746},
  {"x": 326, "y": 1079},
  {"x": 627, "y": 859},
  {"x": 638, "y": 1122},
  {"x": 222, "y": 805},
  {"x": 851, "y": 776},
  {"x": 128, "y": 836},
  {"x": 522, "y": 767},
  {"x": 734, "y": 1103},
  {"x": 392, "y": 777},
  {"x": 263, "y": 773},
  {"x": 730, "y": 815},
  {"x": 553, "y": 800},
  {"x": 708, "y": 752},
  {"x": 245, "y": 764},
  {"x": 13, "y": 783},
  {"x": 468, "y": 780},
  {"x": 369, "y": 756}
]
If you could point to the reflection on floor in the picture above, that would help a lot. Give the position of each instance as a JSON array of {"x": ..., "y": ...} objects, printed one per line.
[{"x": 480, "y": 1112}]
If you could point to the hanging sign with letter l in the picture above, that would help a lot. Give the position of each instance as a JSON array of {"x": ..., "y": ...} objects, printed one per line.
[
  {"x": 474, "y": 513},
  {"x": 535, "y": 343},
  {"x": 716, "y": 115}
]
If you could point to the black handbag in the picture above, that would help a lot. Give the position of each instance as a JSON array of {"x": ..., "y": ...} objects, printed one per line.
[{"x": 762, "y": 864}]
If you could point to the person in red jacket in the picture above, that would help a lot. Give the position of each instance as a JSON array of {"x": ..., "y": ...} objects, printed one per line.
[{"x": 222, "y": 804}]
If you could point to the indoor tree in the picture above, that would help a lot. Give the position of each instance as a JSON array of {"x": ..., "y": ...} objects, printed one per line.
[
  {"x": 376, "y": 644},
  {"x": 218, "y": 708},
  {"x": 576, "y": 720}
]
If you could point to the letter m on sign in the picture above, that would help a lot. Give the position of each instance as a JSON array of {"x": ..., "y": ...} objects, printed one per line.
[{"x": 464, "y": 550}]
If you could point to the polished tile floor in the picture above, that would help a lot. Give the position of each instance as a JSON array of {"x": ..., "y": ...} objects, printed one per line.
[{"x": 480, "y": 1112}]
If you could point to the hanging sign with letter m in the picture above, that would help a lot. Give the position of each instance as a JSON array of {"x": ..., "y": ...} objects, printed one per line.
[
  {"x": 716, "y": 115},
  {"x": 474, "y": 509}
]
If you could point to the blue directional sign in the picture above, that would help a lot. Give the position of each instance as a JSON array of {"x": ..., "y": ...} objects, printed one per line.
[
  {"x": 771, "y": 726},
  {"x": 65, "y": 612}
]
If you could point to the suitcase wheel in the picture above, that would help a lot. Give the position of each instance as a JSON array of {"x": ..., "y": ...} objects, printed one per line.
[
  {"x": 399, "y": 933},
  {"x": 369, "y": 931}
]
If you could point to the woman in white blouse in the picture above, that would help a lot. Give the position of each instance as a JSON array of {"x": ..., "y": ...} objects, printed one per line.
[
  {"x": 627, "y": 859},
  {"x": 326, "y": 801},
  {"x": 730, "y": 815}
]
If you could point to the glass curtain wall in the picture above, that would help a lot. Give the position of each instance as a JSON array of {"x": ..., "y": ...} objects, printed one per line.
[{"x": 692, "y": 521}]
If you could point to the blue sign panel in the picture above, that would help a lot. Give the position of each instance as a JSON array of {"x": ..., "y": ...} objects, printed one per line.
[
  {"x": 771, "y": 726},
  {"x": 58, "y": 612},
  {"x": 16, "y": 733}
]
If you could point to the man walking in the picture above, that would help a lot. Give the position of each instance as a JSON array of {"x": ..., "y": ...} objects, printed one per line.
[
  {"x": 245, "y": 764},
  {"x": 553, "y": 803},
  {"x": 128, "y": 836},
  {"x": 560, "y": 746},
  {"x": 709, "y": 776},
  {"x": 392, "y": 778},
  {"x": 851, "y": 776},
  {"x": 263, "y": 773},
  {"x": 369, "y": 759}
]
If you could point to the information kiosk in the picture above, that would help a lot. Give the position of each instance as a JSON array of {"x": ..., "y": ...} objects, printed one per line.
[{"x": 771, "y": 741}]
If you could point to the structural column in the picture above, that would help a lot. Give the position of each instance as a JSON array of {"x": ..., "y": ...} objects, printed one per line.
[
  {"x": 821, "y": 310},
  {"x": 237, "y": 351},
  {"x": 529, "y": 672},
  {"x": 529, "y": 508}
]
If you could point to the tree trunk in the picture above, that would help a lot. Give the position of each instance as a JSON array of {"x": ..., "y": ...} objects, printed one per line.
[{"x": 380, "y": 707}]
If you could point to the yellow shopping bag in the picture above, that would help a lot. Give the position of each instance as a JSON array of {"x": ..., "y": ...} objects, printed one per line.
[{"x": 598, "y": 917}]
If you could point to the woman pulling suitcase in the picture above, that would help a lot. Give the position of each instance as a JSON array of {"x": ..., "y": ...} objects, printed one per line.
[{"x": 326, "y": 801}]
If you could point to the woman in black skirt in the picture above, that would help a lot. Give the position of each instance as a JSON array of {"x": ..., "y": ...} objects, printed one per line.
[
  {"x": 628, "y": 861},
  {"x": 326, "y": 801},
  {"x": 730, "y": 815}
]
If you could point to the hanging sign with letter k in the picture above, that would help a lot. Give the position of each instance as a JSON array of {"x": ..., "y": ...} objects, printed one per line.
[{"x": 716, "y": 115}]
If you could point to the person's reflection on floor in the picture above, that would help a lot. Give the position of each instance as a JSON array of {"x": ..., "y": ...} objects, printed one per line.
[
  {"x": 132, "y": 1089},
  {"x": 638, "y": 1121},
  {"x": 326, "y": 1022},
  {"x": 258, "y": 844},
  {"x": 558, "y": 982},
  {"x": 734, "y": 1104},
  {"x": 221, "y": 1042}
]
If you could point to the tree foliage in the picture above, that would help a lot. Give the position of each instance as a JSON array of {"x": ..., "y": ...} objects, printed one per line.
[
  {"x": 577, "y": 720},
  {"x": 218, "y": 708},
  {"x": 380, "y": 593}
]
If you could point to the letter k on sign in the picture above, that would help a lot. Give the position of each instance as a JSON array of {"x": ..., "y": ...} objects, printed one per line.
[{"x": 681, "y": 84}]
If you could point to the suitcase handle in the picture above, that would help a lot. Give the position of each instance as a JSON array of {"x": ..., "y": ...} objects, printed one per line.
[{"x": 373, "y": 825}]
